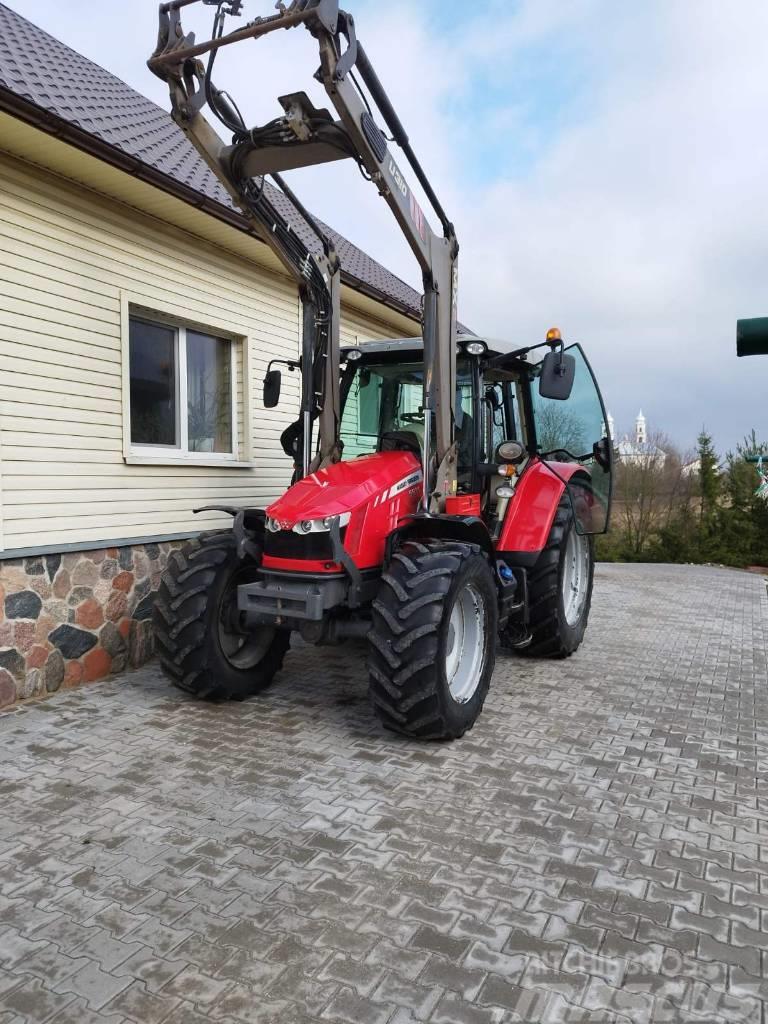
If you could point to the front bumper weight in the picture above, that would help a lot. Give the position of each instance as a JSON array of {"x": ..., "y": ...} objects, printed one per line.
[{"x": 276, "y": 600}]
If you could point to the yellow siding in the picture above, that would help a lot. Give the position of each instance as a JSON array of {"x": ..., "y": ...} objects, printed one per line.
[
  {"x": 68, "y": 259},
  {"x": 1, "y": 491}
]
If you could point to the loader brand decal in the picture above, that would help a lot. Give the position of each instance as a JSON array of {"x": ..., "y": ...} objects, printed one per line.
[
  {"x": 398, "y": 179},
  {"x": 417, "y": 214},
  {"x": 412, "y": 480},
  {"x": 418, "y": 218}
]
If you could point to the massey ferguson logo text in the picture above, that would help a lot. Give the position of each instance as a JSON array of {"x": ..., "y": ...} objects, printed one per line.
[
  {"x": 409, "y": 482},
  {"x": 397, "y": 177}
]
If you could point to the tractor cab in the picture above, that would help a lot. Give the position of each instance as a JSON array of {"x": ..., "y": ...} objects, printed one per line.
[{"x": 504, "y": 415}]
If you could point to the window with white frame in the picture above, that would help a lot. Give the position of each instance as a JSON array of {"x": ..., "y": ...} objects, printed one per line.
[{"x": 182, "y": 390}]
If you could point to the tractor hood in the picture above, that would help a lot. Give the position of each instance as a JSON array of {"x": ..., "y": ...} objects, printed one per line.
[{"x": 345, "y": 486}]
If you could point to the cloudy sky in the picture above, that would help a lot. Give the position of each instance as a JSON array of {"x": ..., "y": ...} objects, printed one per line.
[{"x": 603, "y": 162}]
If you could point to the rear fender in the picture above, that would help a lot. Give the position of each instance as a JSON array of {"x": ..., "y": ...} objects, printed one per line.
[
  {"x": 532, "y": 511},
  {"x": 470, "y": 529}
]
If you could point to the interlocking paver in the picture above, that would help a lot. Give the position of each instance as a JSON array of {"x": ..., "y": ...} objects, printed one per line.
[
  {"x": 439, "y": 942},
  {"x": 442, "y": 974},
  {"x": 360, "y": 976},
  {"x": 139, "y": 1004},
  {"x": 154, "y": 971},
  {"x": 348, "y": 1006},
  {"x": 408, "y": 963},
  {"x": 451, "y": 1010},
  {"x": 595, "y": 850},
  {"x": 195, "y": 986},
  {"x": 93, "y": 984},
  {"x": 33, "y": 1000}
]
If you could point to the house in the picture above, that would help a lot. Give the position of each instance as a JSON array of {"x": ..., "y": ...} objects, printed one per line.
[{"x": 138, "y": 313}]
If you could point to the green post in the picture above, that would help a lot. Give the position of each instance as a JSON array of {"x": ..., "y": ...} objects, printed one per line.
[{"x": 752, "y": 336}]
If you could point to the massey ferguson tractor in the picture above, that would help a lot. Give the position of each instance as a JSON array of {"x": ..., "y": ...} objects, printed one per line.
[{"x": 445, "y": 489}]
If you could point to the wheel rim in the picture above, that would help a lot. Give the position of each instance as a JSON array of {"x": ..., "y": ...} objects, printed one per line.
[
  {"x": 243, "y": 649},
  {"x": 465, "y": 651},
  {"x": 575, "y": 576}
]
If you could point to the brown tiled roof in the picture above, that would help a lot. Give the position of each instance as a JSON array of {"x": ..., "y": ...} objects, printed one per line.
[{"x": 39, "y": 75}]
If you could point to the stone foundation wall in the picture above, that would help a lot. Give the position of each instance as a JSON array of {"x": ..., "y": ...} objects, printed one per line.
[{"x": 74, "y": 618}]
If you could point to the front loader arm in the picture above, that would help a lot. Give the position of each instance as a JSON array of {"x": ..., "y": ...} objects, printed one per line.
[
  {"x": 317, "y": 276},
  {"x": 306, "y": 136}
]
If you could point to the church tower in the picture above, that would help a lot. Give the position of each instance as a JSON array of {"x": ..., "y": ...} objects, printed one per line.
[{"x": 641, "y": 435}]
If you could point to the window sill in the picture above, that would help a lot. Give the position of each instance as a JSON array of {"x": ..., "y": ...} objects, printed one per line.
[{"x": 186, "y": 460}]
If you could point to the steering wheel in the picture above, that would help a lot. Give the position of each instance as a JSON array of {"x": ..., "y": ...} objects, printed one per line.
[{"x": 412, "y": 417}]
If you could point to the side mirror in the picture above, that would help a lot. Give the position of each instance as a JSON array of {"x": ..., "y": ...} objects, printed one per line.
[
  {"x": 558, "y": 372},
  {"x": 493, "y": 398},
  {"x": 601, "y": 450},
  {"x": 272, "y": 385}
]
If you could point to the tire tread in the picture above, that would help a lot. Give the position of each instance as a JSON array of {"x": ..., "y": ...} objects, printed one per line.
[
  {"x": 549, "y": 638},
  {"x": 404, "y": 640},
  {"x": 181, "y": 627}
]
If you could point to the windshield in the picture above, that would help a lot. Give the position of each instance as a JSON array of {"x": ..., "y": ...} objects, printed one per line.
[{"x": 389, "y": 396}]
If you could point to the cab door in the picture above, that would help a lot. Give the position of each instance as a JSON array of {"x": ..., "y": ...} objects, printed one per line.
[{"x": 575, "y": 430}]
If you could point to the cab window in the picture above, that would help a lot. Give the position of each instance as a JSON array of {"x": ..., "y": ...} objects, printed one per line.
[
  {"x": 495, "y": 428},
  {"x": 501, "y": 421},
  {"x": 388, "y": 397}
]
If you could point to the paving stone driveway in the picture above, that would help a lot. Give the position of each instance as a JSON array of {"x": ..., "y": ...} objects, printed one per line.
[{"x": 595, "y": 850}]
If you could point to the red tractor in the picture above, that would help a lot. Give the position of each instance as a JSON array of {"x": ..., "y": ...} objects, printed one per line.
[{"x": 445, "y": 489}]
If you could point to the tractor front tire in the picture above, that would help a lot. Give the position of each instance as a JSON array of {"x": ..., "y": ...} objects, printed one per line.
[
  {"x": 560, "y": 588},
  {"x": 432, "y": 644},
  {"x": 198, "y": 637}
]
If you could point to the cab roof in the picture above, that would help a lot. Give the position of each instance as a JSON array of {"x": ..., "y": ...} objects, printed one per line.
[{"x": 416, "y": 345}]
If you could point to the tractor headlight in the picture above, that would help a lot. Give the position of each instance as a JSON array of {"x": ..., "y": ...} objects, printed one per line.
[
  {"x": 320, "y": 525},
  {"x": 272, "y": 525},
  {"x": 510, "y": 451}
]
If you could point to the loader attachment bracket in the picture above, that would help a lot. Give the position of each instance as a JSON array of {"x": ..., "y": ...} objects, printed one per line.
[
  {"x": 348, "y": 59},
  {"x": 341, "y": 556},
  {"x": 327, "y": 11},
  {"x": 248, "y": 526}
]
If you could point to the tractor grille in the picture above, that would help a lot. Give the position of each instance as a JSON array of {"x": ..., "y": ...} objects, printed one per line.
[{"x": 287, "y": 544}]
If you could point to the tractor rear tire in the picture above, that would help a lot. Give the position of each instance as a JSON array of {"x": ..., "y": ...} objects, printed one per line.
[
  {"x": 560, "y": 588},
  {"x": 432, "y": 644},
  {"x": 201, "y": 647}
]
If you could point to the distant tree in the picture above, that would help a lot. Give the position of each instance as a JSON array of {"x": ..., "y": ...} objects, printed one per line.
[
  {"x": 705, "y": 543},
  {"x": 709, "y": 475},
  {"x": 668, "y": 513},
  {"x": 750, "y": 447},
  {"x": 742, "y": 520},
  {"x": 649, "y": 492}
]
